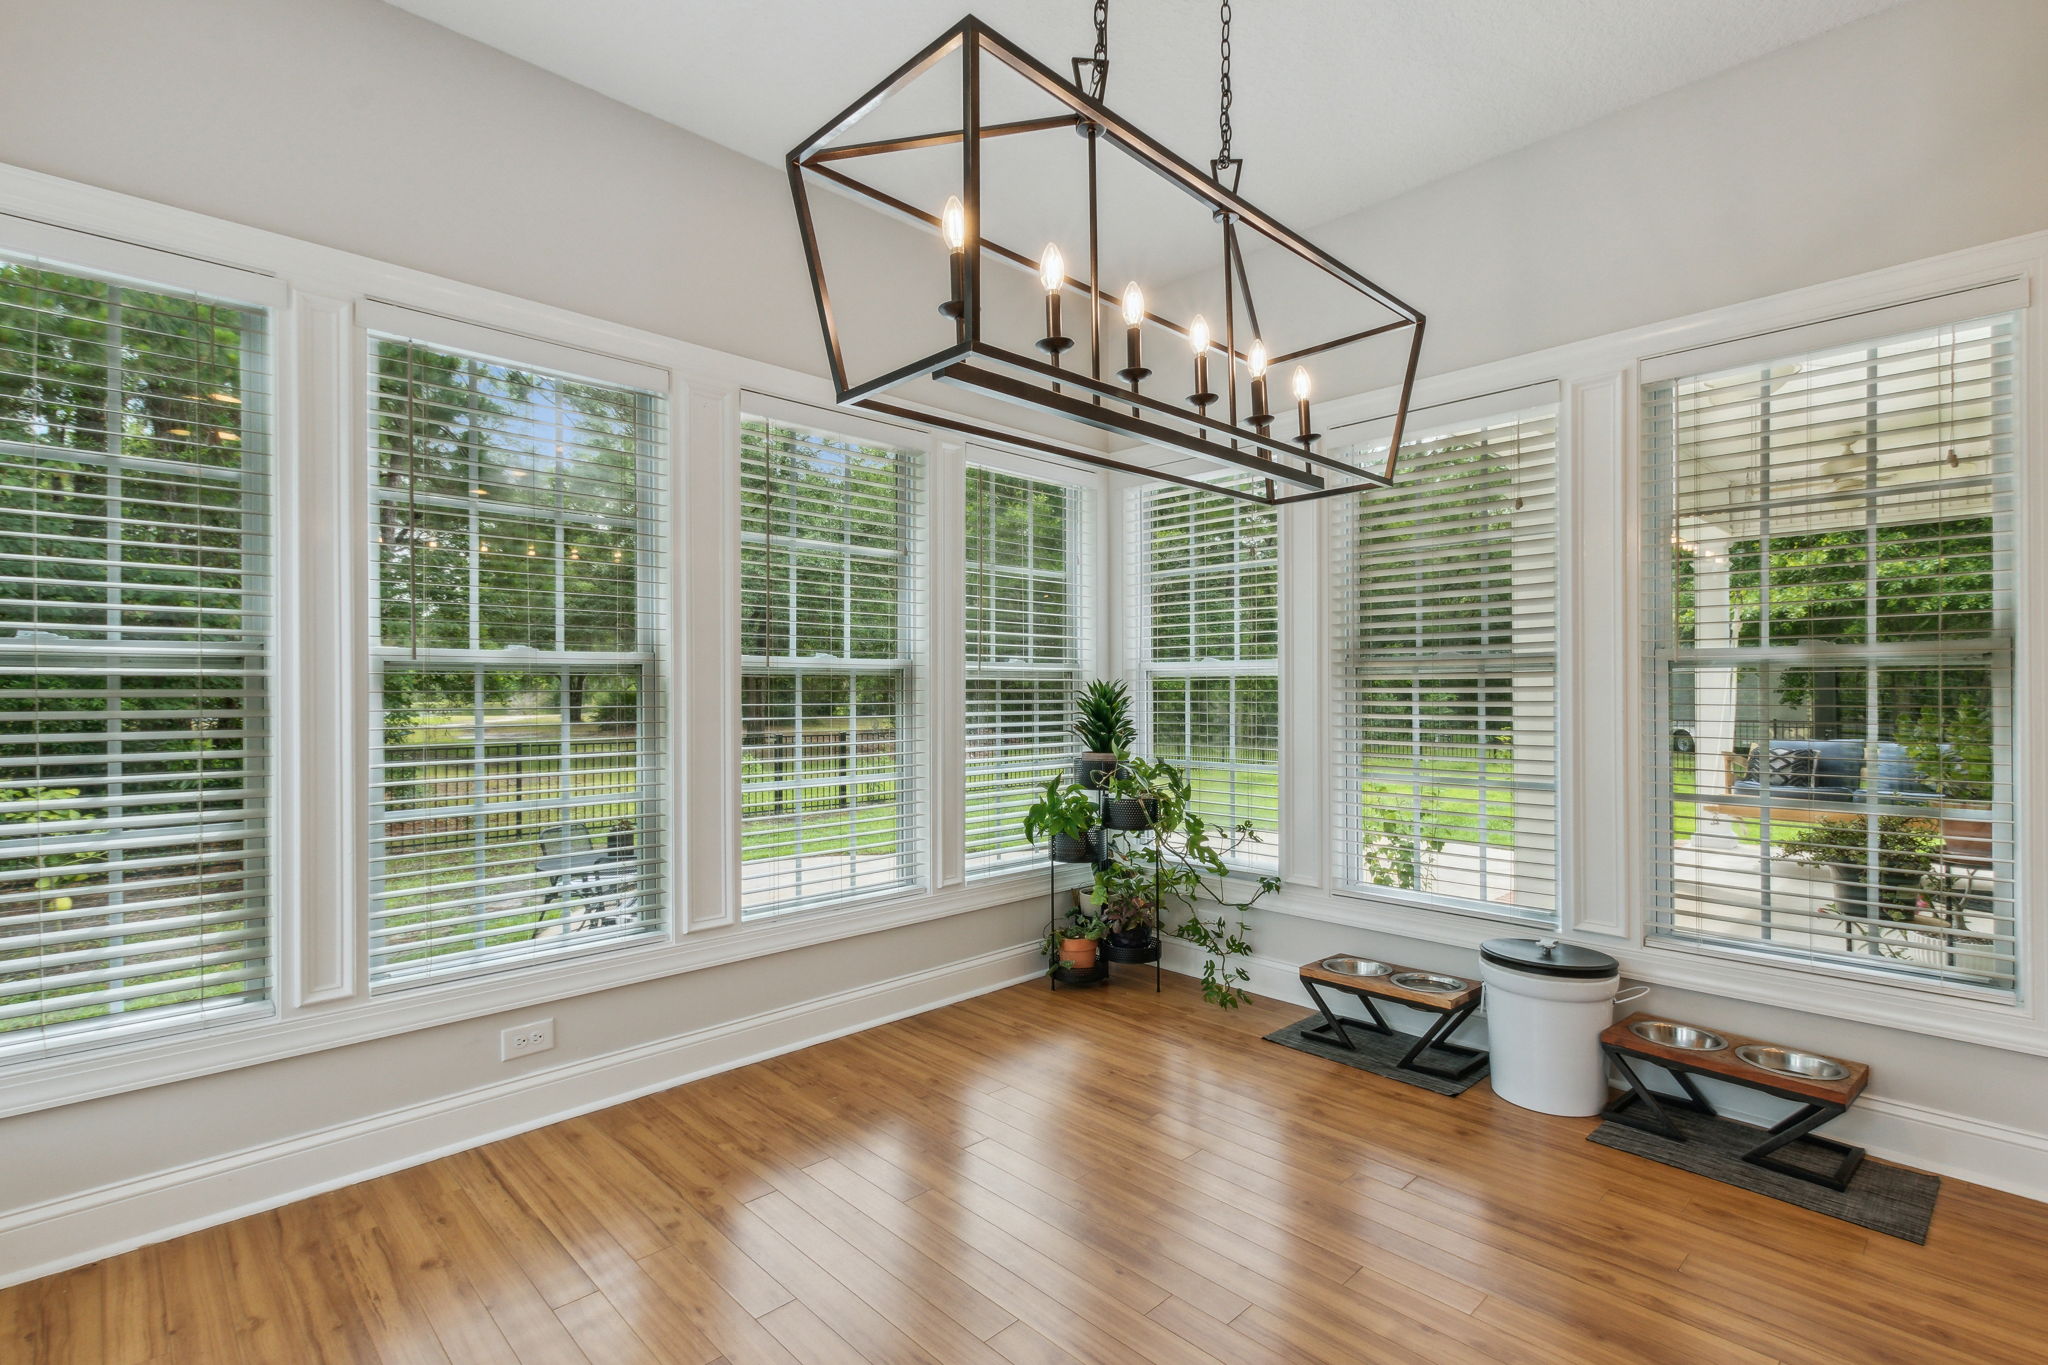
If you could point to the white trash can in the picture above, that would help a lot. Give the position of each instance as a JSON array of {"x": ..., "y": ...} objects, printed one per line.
[{"x": 1546, "y": 1003}]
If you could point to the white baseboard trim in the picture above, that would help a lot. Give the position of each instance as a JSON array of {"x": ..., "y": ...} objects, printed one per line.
[
  {"x": 1928, "y": 1139},
  {"x": 44, "y": 1239}
]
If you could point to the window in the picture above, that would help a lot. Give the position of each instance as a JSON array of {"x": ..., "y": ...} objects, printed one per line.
[
  {"x": 134, "y": 503},
  {"x": 1207, "y": 566},
  {"x": 831, "y": 791},
  {"x": 1026, "y": 556},
  {"x": 1446, "y": 650},
  {"x": 517, "y": 787},
  {"x": 1832, "y": 657}
]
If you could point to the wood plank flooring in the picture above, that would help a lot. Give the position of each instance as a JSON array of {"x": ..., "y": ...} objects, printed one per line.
[{"x": 1090, "y": 1176}]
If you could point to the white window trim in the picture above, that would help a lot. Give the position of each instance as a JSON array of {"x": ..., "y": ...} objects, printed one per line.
[
  {"x": 1084, "y": 595},
  {"x": 1449, "y": 415},
  {"x": 1296, "y": 528},
  {"x": 321, "y": 992},
  {"x": 940, "y": 786},
  {"x": 375, "y": 320}
]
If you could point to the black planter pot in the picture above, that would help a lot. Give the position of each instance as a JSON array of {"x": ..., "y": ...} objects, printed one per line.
[
  {"x": 1092, "y": 770},
  {"x": 1130, "y": 812},
  {"x": 1083, "y": 976},
  {"x": 1141, "y": 946},
  {"x": 1067, "y": 848}
]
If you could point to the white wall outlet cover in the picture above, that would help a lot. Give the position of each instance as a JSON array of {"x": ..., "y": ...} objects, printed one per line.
[{"x": 524, "y": 1040}]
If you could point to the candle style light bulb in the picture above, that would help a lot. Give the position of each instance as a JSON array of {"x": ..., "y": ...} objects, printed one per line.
[
  {"x": 1198, "y": 339},
  {"x": 953, "y": 227},
  {"x": 1052, "y": 273},
  {"x": 1255, "y": 364},
  {"x": 1052, "y": 269},
  {"x": 1301, "y": 405},
  {"x": 1134, "y": 324}
]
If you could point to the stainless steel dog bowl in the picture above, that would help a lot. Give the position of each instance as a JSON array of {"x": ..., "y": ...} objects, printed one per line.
[
  {"x": 1684, "y": 1036},
  {"x": 1430, "y": 983},
  {"x": 1805, "y": 1066},
  {"x": 1355, "y": 966}
]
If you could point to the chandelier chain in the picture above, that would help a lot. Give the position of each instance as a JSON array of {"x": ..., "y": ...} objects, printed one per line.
[
  {"x": 1101, "y": 69},
  {"x": 1223, "y": 103}
]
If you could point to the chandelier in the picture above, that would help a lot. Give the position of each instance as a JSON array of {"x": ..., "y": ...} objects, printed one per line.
[{"x": 1210, "y": 395}]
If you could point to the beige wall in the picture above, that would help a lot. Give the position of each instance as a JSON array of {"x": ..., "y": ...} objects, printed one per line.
[{"x": 1917, "y": 131}]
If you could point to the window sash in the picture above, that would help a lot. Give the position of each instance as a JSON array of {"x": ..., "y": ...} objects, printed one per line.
[
  {"x": 517, "y": 791},
  {"x": 1206, "y": 571},
  {"x": 135, "y": 633},
  {"x": 1445, "y": 620},
  {"x": 833, "y": 788},
  {"x": 1026, "y": 613},
  {"x": 1831, "y": 634}
]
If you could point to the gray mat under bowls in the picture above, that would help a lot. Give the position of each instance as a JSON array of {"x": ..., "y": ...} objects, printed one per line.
[
  {"x": 1377, "y": 1053},
  {"x": 1887, "y": 1199}
]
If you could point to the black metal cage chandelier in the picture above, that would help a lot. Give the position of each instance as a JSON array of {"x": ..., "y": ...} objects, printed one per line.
[{"x": 1226, "y": 420}]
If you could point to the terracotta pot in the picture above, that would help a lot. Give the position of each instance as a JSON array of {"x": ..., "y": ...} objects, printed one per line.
[{"x": 1078, "y": 953}]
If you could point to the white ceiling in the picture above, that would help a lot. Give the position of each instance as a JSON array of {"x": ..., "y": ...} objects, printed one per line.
[{"x": 1339, "y": 103}]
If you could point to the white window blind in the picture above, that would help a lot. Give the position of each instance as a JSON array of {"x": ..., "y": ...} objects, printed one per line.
[
  {"x": 1832, "y": 644},
  {"x": 517, "y": 789},
  {"x": 1207, "y": 570},
  {"x": 134, "y": 629},
  {"x": 1026, "y": 557},
  {"x": 1446, "y": 689},
  {"x": 832, "y": 791}
]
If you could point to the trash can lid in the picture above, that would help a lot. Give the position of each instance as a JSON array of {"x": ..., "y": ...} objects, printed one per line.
[{"x": 1548, "y": 957}]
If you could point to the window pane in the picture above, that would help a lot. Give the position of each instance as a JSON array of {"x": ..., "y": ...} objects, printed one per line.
[
  {"x": 1447, "y": 661},
  {"x": 134, "y": 735},
  {"x": 1208, "y": 573},
  {"x": 1025, "y": 548},
  {"x": 517, "y": 788},
  {"x": 831, "y": 797},
  {"x": 1833, "y": 659}
]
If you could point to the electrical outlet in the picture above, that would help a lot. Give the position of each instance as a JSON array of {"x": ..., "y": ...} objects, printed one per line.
[{"x": 526, "y": 1039}]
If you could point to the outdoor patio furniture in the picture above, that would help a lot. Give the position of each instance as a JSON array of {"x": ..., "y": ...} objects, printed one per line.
[{"x": 1830, "y": 770}]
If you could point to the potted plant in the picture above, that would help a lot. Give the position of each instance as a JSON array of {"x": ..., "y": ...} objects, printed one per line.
[
  {"x": 1952, "y": 753},
  {"x": 1075, "y": 943},
  {"x": 1102, "y": 720},
  {"x": 1066, "y": 814},
  {"x": 1904, "y": 847},
  {"x": 1143, "y": 794},
  {"x": 1909, "y": 888},
  {"x": 1122, "y": 895}
]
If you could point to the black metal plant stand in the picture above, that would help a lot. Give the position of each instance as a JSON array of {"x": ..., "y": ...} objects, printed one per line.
[{"x": 1106, "y": 953}]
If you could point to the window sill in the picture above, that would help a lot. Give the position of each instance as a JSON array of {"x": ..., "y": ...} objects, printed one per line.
[{"x": 69, "y": 1078}]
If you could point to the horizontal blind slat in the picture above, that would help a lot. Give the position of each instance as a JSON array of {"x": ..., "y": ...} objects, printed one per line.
[
  {"x": 1831, "y": 642},
  {"x": 134, "y": 490},
  {"x": 1445, "y": 704}
]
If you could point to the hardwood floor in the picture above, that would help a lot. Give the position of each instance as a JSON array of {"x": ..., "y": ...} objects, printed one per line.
[{"x": 1097, "y": 1176}]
